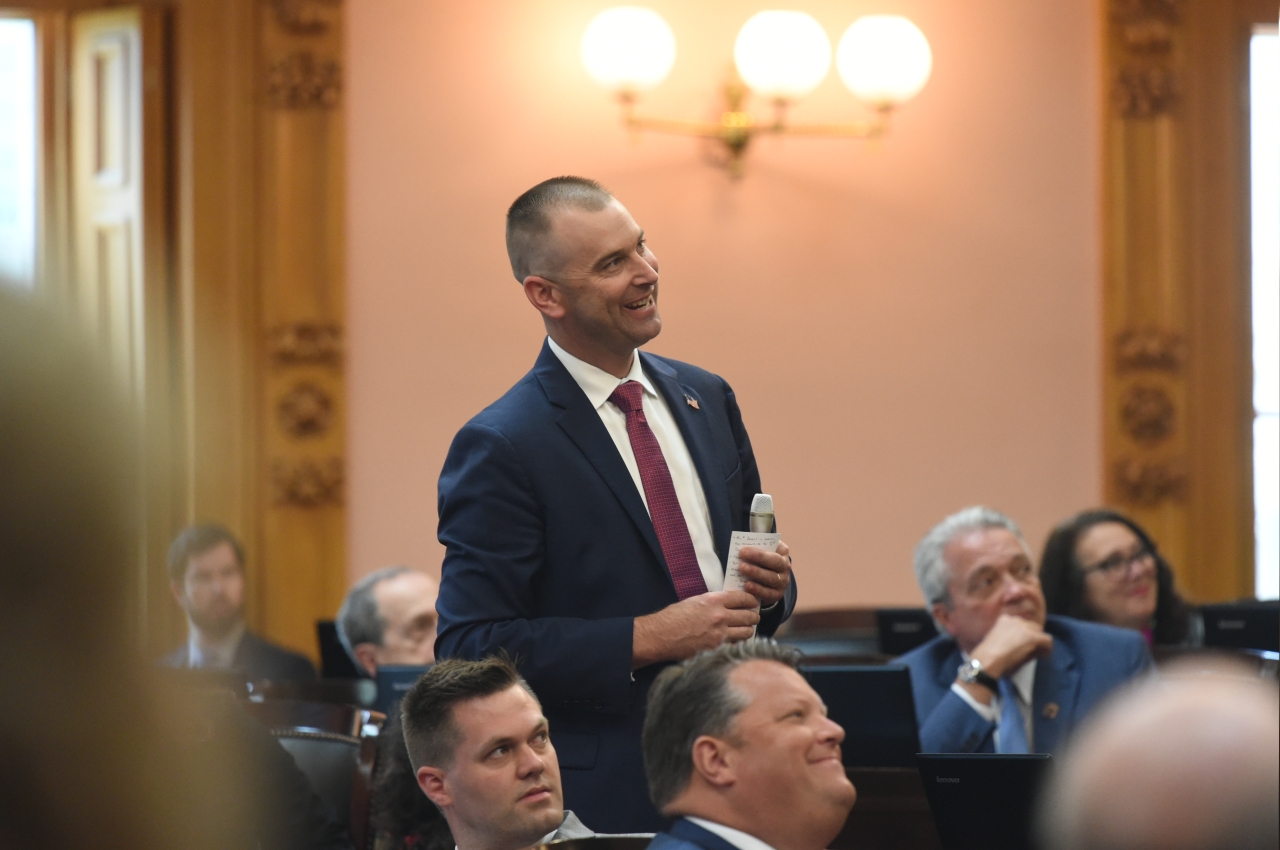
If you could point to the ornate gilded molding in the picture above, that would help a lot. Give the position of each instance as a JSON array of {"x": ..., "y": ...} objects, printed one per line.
[
  {"x": 1149, "y": 482},
  {"x": 305, "y": 411},
  {"x": 306, "y": 344},
  {"x": 306, "y": 17},
  {"x": 307, "y": 483},
  {"x": 1150, "y": 349},
  {"x": 1147, "y": 413},
  {"x": 1147, "y": 85},
  {"x": 304, "y": 81}
]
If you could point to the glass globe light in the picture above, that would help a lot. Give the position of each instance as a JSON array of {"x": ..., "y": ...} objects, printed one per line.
[
  {"x": 782, "y": 55},
  {"x": 628, "y": 49},
  {"x": 884, "y": 59}
]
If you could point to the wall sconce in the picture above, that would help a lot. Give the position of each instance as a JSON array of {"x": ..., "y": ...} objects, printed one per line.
[{"x": 884, "y": 60}]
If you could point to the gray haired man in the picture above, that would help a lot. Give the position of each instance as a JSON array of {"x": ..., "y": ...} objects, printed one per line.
[
  {"x": 1001, "y": 676},
  {"x": 389, "y": 617},
  {"x": 740, "y": 749}
]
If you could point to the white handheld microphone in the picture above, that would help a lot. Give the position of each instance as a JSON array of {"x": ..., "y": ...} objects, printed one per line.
[{"x": 762, "y": 513}]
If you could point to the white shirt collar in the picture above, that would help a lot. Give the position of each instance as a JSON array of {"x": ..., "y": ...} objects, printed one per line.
[
  {"x": 203, "y": 651},
  {"x": 596, "y": 382},
  {"x": 736, "y": 837}
]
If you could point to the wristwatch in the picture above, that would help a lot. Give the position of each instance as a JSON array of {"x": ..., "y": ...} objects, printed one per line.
[{"x": 971, "y": 673}]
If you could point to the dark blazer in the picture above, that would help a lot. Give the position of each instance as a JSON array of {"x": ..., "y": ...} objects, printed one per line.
[
  {"x": 1088, "y": 661},
  {"x": 258, "y": 660},
  {"x": 551, "y": 555},
  {"x": 687, "y": 835}
]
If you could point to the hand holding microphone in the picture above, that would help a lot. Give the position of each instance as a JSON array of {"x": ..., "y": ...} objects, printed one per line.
[{"x": 768, "y": 574}]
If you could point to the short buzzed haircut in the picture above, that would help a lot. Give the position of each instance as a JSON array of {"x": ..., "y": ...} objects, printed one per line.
[
  {"x": 195, "y": 540},
  {"x": 693, "y": 699},
  {"x": 430, "y": 732},
  {"x": 529, "y": 218}
]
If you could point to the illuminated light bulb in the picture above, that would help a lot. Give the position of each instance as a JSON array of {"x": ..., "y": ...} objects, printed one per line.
[
  {"x": 628, "y": 49},
  {"x": 782, "y": 55},
  {"x": 884, "y": 59}
]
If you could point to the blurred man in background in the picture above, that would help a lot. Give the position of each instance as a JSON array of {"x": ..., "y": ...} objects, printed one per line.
[
  {"x": 389, "y": 617},
  {"x": 206, "y": 575},
  {"x": 1189, "y": 761}
]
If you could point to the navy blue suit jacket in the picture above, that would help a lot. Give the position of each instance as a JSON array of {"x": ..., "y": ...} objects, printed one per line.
[
  {"x": 551, "y": 555},
  {"x": 686, "y": 835},
  {"x": 1088, "y": 661}
]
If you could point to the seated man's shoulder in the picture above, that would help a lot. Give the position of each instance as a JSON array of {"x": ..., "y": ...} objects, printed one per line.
[
  {"x": 928, "y": 655},
  {"x": 1098, "y": 642},
  {"x": 282, "y": 663}
]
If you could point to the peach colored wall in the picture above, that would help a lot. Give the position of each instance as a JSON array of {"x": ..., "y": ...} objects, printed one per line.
[{"x": 910, "y": 328}]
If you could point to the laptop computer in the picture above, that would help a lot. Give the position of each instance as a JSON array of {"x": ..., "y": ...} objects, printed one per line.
[
  {"x": 1242, "y": 625},
  {"x": 876, "y": 709},
  {"x": 901, "y": 630},
  {"x": 393, "y": 681},
  {"x": 983, "y": 801}
]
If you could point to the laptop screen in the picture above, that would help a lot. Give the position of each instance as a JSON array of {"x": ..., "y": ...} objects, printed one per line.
[
  {"x": 876, "y": 709},
  {"x": 984, "y": 800}
]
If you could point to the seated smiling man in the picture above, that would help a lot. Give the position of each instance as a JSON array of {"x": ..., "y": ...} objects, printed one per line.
[
  {"x": 479, "y": 743},
  {"x": 740, "y": 748},
  {"x": 1002, "y": 677}
]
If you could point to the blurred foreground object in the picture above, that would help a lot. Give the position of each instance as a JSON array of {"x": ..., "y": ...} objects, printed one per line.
[{"x": 1189, "y": 761}]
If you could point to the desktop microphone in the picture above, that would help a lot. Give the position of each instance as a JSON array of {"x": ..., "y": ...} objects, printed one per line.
[{"x": 762, "y": 513}]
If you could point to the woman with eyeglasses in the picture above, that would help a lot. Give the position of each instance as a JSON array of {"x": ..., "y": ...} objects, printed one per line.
[{"x": 1100, "y": 565}]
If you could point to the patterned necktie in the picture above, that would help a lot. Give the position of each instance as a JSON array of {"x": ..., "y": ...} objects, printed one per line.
[
  {"x": 660, "y": 493},
  {"x": 1013, "y": 729}
]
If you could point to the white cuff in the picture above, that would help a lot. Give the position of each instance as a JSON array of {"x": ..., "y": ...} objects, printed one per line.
[{"x": 986, "y": 712}]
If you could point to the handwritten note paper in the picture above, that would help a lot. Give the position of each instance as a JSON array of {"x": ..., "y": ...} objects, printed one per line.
[{"x": 733, "y": 578}]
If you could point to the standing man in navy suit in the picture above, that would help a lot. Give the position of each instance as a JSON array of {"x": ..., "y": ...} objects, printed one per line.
[
  {"x": 586, "y": 514},
  {"x": 1001, "y": 677}
]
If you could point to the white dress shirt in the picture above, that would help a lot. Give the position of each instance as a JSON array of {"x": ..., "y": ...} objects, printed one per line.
[
  {"x": 204, "y": 652},
  {"x": 736, "y": 837},
  {"x": 1024, "y": 680},
  {"x": 598, "y": 386}
]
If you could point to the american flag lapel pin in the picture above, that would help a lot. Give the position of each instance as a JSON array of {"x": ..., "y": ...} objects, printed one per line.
[{"x": 691, "y": 401}]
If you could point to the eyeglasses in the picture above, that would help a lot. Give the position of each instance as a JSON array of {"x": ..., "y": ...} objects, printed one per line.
[{"x": 1120, "y": 564}]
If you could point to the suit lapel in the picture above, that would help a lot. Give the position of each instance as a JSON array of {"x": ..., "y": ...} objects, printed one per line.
[
  {"x": 580, "y": 421},
  {"x": 1053, "y": 697},
  {"x": 696, "y": 430},
  {"x": 694, "y": 834}
]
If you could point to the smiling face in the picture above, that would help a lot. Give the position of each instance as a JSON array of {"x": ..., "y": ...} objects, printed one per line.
[
  {"x": 1119, "y": 575},
  {"x": 503, "y": 788},
  {"x": 599, "y": 290},
  {"x": 212, "y": 590},
  {"x": 789, "y": 784},
  {"x": 990, "y": 575}
]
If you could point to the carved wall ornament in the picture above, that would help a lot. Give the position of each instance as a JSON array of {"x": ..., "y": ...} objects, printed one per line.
[
  {"x": 1146, "y": 26},
  {"x": 306, "y": 17},
  {"x": 1150, "y": 349},
  {"x": 306, "y": 344},
  {"x": 305, "y": 411},
  {"x": 1148, "y": 483},
  {"x": 307, "y": 483},
  {"x": 304, "y": 81},
  {"x": 1147, "y": 413},
  {"x": 1145, "y": 90}
]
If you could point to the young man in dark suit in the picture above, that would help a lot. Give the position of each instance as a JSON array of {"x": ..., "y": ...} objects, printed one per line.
[
  {"x": 587, "y": 513},
  {"x": 206, "y": 576}
]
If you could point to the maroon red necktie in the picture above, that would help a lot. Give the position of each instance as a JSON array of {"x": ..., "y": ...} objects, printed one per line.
[{"x": 660, "y": 493}]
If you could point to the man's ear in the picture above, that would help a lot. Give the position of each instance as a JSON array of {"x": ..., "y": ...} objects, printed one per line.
[
  {"x": 942, "y": 613},
  {"x": 179, "y": 593},
  {"x": 431, "y": 781},
  {"x": 367, "y": 655},
  {"x": 544, "y": 295},
  {"x": 713, "y": 761}
]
